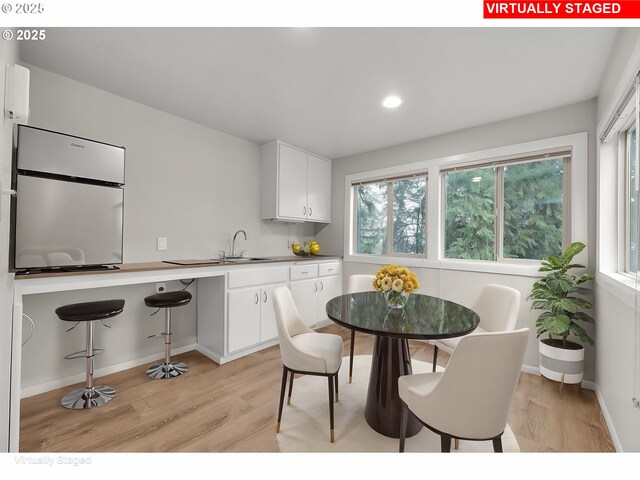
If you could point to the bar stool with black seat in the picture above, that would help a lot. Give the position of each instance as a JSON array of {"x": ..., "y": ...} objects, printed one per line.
[
  {"x": 167, "y": 300},
  {"x": 89, "y": 312}
]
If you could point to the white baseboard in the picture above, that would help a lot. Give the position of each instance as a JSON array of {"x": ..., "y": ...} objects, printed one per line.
[
  {"x": 80, "y": 377},
  {"x": 207, "y": 352},
  {"x": 531, "y": 369},
  {"x": 222, "y": 359},
  {"x": 586, "y": 384},
  {"x": 607, "y": 418}
]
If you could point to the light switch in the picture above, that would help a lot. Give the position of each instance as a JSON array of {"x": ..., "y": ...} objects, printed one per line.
[{"x": 162, "y": 243}]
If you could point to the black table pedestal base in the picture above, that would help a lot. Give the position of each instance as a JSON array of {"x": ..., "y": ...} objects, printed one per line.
[{"x": 391, "y": 359}]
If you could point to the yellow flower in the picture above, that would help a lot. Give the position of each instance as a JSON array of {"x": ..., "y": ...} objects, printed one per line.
[{"x": 397, "y": 277}]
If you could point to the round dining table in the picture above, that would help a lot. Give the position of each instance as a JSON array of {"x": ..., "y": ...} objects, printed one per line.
[{"x": 423, "y": 318}]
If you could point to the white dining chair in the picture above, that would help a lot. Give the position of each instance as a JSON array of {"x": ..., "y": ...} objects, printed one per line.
[
  {"x": 497, "y": 307},
  {"x": 471, "y": 399},
  {"x": 357, "y": 284},
  {"x": 304, "y": 351}
]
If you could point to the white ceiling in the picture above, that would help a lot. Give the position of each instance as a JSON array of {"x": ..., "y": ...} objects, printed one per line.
[{"x": 321, "y": 89}]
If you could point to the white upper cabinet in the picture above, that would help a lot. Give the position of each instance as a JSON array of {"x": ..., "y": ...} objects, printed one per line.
[
  {"x": 319, "y": 189},
  {"x": 295, "y": 185}
]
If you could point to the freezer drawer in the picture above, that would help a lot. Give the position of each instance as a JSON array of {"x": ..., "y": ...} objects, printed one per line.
[{"x": 59, "y": 154}]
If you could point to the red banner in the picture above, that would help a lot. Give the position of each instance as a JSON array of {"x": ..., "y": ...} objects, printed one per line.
[{"x": 561, "y": 9}]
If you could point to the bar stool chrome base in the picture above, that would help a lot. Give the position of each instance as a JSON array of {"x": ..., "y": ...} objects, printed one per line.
[
  {"x": 84, "y": 398},
  {"x": 167, "y": 370}
]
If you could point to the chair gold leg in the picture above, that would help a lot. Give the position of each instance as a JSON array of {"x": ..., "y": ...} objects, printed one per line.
[
  {"x": 456, "y": 444},
  {"x": 332, "y": 439},
  {"x": 277, "y": 427}
]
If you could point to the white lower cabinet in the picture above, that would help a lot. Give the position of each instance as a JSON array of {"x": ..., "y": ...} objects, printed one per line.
[
  {"x": 251, "y": 319},
  {"x": 248, "y": 323},
  {"x": 244, "y": 319},
  {"x": 312, "y": 294},
  {"x": 268, "y": 327},
  {"x": 305, "y": 296},
  {"x": 328, "y": 288}
]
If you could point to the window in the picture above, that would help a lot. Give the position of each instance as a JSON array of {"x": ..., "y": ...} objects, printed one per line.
[
  {"x": 469, "y": 214},
  {"x": 508, "y": 210},
  {"x": 391, "y": 216},
  {"x": 498, "y": 210}
]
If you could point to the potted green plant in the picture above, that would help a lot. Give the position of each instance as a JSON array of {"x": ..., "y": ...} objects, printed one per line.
[{"x": 560, "y": 294}]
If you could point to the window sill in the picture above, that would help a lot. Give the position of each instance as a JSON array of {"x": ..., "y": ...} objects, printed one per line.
[
  {"x": 528, "y": 269},
  {"x": 621, "y": 286}
]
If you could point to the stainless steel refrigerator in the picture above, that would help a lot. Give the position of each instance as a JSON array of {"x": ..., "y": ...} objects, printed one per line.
[{"x": 69, "y": 207}]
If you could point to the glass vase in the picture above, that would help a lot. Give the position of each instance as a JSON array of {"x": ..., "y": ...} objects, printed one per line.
[{"x": 396, "y": 299}]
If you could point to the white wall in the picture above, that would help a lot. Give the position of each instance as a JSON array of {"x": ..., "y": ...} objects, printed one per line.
[
  {"x": 624, "y": 47},
  {"x": 464, "y": 287},
  {"x": 8, "y": 56},
  {"x": 618, "y": 324},
  {"x": 189, "y": 183}
]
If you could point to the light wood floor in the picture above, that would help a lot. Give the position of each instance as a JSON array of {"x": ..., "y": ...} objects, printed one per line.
[{"x": 233, "y": 407}]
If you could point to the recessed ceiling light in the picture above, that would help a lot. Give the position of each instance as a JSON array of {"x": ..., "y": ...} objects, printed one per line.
[
  {"x": 391, "y": 102},
  {"x": 476, "y": 179}
]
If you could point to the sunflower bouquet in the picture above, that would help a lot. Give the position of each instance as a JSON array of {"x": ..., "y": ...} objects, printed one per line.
[{"x": 397, "y": 283}]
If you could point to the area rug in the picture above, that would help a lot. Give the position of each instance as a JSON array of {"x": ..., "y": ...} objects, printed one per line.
[{"x": 305, "y": 423}]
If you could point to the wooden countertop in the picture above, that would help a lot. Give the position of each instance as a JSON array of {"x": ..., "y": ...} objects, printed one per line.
[{"x": 151, "y": 266}]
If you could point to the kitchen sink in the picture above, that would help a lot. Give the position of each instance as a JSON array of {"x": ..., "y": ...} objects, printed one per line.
[{"x": 243, "y": 259}]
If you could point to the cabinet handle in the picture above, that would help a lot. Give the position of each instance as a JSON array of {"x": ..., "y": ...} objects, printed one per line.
[
  {"x": 329, "y": 269},
  {"x": 257, "y": 298},
  {"x": 304, "y": 210},
  {"x": 265, "y": 297},
  {"x": 310, "y": 211},
  {"x": 315, "y": 287},
  {"x": 304, "y": 273},
  {"x": 321, "y": 286}
]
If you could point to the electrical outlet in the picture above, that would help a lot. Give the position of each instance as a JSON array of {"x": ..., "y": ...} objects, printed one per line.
[
  {"x": 162, "y": 243},
  {"x": 161, "y": 287}
]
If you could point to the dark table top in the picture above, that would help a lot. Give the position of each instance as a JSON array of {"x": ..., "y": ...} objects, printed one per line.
[{"x": 423, "y": 317}]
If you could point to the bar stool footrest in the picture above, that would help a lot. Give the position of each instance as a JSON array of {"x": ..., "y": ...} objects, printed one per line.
[
  {"x": 76, "y": 355},
  {"x": 167, "y": 370},
  {"x": 85, "y": 398}
]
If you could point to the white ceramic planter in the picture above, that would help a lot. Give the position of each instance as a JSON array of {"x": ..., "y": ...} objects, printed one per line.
[{"x": 560, "y": 364}]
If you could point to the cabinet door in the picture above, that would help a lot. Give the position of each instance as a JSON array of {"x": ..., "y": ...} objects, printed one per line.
[
  {"x": 305, "y": 296},
  {"x": 268, "y": 328},
  {"x": 328, "y": 288},
  {"x": 243, "y": 319},
  {"x": 319, "y": 194},
  {"x": 292, "y": 183}
]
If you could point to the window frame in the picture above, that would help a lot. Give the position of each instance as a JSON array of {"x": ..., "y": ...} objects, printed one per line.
[
  {"x": 390, "y": 218},
  {"x": 407, "y": 164},
  {"x": 626, "y": 146}
]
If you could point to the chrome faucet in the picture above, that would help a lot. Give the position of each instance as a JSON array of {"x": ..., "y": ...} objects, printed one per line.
[{"x": 233, "y": 245}]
